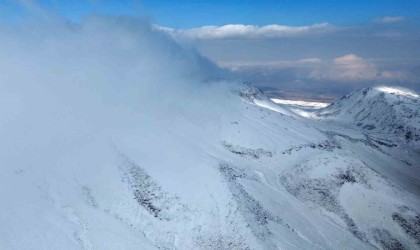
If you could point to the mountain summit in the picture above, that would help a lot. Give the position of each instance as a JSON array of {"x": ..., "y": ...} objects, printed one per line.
[{"x": 383, "y": 111}]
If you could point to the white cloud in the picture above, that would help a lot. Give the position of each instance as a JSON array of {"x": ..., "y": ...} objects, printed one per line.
[
  {"x": 310, "y": 60},
  {"x": 354, "y": 68},
  {"x": 240, "y": 31},
  {"x": 389, "y": 19},
  {"x": 347, "y": 68}
]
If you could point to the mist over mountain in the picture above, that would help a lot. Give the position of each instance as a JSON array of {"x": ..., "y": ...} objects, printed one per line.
[{"x": 115, "y": 136}]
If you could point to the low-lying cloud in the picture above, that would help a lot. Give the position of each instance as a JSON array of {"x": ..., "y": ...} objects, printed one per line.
[
  {"x": 354, "y": 68},
  {"x": 346, "y": 68},
  {"x": 63, "y": 84},
  {"x": 331, "y": 77}
]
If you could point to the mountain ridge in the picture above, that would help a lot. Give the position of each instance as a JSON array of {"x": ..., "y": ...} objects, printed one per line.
[{"x": 384, "y": 111}]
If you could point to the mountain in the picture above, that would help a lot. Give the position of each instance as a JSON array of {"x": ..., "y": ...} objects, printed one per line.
[
  {"x": 253, "y": 179},
  {"x": 383, "y": 111},
  {"x": 113, "y": 136}
]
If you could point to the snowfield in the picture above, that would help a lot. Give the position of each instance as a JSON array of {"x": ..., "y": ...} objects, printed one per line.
[{"x": 140, "y": 145}]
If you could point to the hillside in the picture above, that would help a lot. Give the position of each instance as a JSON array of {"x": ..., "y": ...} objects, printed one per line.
[
  {"x": 141, "y": 145},
  {"x": 383, "y": 111}
]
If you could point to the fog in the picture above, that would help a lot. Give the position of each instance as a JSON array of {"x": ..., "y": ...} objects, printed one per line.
[{"x": 63, "y": 85}]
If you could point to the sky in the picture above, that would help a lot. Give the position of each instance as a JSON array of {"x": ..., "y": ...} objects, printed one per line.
[
  {"x": 318, "y": 48},
  {"x": 193, "y": 13}
]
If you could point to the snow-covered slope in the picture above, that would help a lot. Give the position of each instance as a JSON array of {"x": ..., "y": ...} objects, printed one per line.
[
  {"x": 384, "y": 111},
  {"x": 127, "y": 142}
]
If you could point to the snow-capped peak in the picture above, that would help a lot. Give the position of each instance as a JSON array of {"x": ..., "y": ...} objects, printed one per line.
[
  {"x": 397, "y": 91},
  {"x": 382, "y": 110}
]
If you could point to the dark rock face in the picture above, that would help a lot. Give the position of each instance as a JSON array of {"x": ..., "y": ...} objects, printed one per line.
[
  {"x": 148, "y": 193},
  {"x": 254, "y": 213},
  {"x": 250, "y": 93},
  {"x": 248, "y": 152},
  {"x": 410, "y": 224},
  {"x": 385, "y": 239}
]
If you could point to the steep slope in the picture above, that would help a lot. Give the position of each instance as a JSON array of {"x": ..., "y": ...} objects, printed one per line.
[{"x": 383, "y": 111}]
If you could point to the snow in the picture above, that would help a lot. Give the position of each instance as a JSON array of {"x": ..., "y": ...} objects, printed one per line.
[
  {"x": 382, "y": 114},
  {"x": 301, "y": 103},
  {"x": 397, "y": 91},
  {"x": 125, "y": 140}
]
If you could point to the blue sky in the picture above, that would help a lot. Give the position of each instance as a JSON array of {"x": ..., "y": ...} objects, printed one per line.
[{"x": 190, "y": 13}]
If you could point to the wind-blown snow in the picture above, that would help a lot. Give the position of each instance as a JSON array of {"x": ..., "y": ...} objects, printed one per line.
[
  {"x": 397, "y": 91},
  {"x": 113, "y": 136}
]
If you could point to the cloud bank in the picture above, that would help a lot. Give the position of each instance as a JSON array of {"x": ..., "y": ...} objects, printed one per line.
[
  {"x": 354, "y": 68},
  {"x": 346, "y": 68},
  {"x": 240, "y": 31}
]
